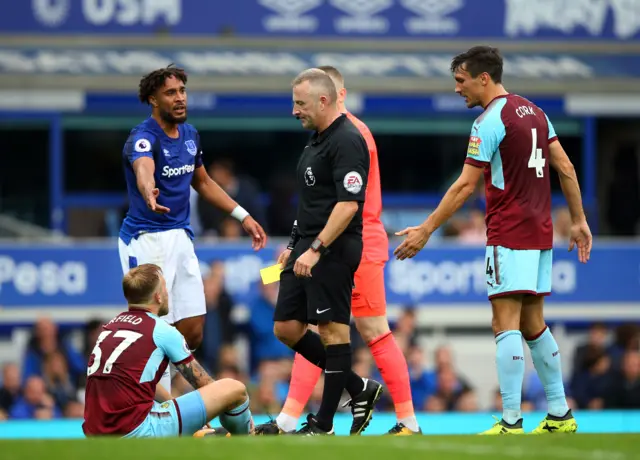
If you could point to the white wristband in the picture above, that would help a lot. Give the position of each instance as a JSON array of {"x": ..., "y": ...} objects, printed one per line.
[{"x": 239, "y": 213}]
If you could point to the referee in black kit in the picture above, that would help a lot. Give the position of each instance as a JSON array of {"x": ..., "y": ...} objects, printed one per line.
[{"x": 325, "y": 251}]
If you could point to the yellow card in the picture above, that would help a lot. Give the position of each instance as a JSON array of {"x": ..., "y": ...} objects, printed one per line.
[{"x": 270, "y": 274}]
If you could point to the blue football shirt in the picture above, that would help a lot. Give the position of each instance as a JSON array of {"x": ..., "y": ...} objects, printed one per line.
[{"x": 175, "y": 162}]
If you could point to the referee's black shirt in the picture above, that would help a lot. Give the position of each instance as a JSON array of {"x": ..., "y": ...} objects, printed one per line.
[{"x": 334, "y": 167}]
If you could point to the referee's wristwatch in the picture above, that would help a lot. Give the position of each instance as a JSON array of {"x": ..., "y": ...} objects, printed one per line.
[{"x": 318, "y": 246}]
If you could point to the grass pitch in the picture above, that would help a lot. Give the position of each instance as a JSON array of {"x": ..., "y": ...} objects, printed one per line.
[{"x": 543, "y": 447}]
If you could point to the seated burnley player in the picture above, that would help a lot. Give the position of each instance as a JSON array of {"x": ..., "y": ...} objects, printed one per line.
[
  {"x": 126, "y": 364},
  {"x": 513, "y": 143}
]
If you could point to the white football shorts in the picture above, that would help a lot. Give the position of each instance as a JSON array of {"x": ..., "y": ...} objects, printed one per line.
[{"x": 173, "y": 251}]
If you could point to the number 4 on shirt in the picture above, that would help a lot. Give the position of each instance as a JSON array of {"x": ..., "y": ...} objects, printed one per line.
[{"x": 536, "y": 160}]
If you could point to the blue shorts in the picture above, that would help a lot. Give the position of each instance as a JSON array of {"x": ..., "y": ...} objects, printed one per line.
[
  {"x": 518, "y": 271},
  {"x": 184, "y": 415}
]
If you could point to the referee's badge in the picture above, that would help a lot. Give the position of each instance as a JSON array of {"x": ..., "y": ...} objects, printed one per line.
[
  {"x": 352, "y": 182},
  {"x": 309, "y": 178}
]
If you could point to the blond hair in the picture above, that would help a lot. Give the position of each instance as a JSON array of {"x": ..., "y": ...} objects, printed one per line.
[
  {"x": 140, "y": 283},
  {"x": 335, "y": 74}
]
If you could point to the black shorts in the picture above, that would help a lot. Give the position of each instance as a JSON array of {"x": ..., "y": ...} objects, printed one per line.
[{"x": 326, "y": 296}]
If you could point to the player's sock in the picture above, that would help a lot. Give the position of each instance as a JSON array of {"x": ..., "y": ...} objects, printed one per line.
[
  {"x": 546, "y": 360},
  {"x": 304, "y": 377},
  {"x": 394, "y": 371},
  {"x": 165, "y": 380},
  {"x": 510, "y": 363},
  {"x": 286, "y": 422},
  {"x": 310, "y": 346},
  {"x": 238, "y": 420},
  {"x": 335, "y": 379}
]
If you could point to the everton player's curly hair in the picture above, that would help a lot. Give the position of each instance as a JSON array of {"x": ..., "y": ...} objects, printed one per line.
[{"x": 152, "y": 81}]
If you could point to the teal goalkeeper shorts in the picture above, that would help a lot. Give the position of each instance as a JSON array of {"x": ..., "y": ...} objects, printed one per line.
[
  {"x": 181, "y": 416},
  {"x": 518, "y": 271}
]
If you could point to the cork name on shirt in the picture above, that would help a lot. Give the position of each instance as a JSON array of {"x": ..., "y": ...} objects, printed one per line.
[{"x": 525, "y": 110}]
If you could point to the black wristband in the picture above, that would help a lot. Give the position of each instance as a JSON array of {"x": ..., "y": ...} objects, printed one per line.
[{"x": 294, "y": 235}]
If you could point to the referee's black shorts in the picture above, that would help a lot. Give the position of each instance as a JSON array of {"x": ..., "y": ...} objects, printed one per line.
[{"x": 326, "y": 296}]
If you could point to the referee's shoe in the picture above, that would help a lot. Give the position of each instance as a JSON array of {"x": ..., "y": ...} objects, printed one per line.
[
  {"x": 362, "y": 405},
  {"x": 311, "y": 428}
]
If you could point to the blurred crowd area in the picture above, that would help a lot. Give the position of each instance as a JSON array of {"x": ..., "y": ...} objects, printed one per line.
[
  {"x": 47, "y": 380},
  {"x": 277, "y": 212}
]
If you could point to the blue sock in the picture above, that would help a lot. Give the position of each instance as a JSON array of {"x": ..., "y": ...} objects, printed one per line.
[
  {"x": 510, "y": 363},
  {"x": 546, "y": 359},
  {"x": 238, "y": 420}
]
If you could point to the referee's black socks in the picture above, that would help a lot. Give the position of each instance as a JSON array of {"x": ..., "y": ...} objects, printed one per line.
[
  {"x": 310, "y": 346},
  {"x": 336, "y": 375}
]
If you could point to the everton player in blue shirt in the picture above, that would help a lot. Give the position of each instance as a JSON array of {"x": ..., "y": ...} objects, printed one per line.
[{"x": 162, "y": 159}]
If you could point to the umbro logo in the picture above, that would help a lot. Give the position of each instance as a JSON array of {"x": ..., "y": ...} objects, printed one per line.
[
  {"x": 433, "y": 8},
  {"x": 290, "y": 7},
  {"x": 433, "y": 16},
  {"x": 291, "y": 15},
  {"x": 362, "y": 7},
  {"x": 362, "y": 16}
]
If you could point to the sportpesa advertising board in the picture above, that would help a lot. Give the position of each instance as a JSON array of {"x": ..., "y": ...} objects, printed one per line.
[{"x": 89, "y": 275}]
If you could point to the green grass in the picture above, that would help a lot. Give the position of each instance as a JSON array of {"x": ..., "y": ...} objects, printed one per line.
[{"x": 545, "y": 447}]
